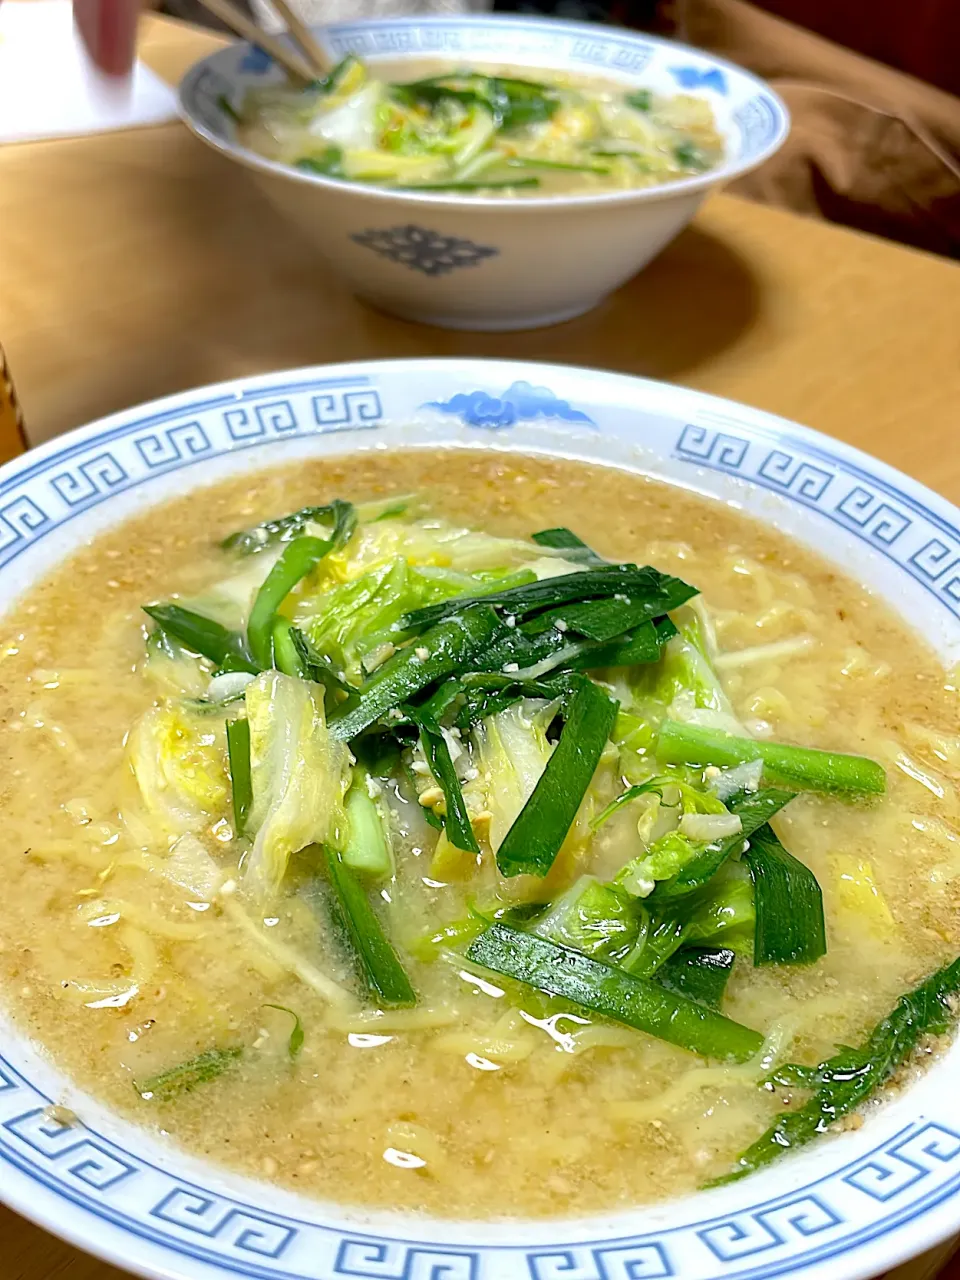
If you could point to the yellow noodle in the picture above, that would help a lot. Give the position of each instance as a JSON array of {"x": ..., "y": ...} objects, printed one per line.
[
  {"x": 773, "y": 653},
  {"x": 422, "y": 1018},
  {"x": 945, "y": 747},
  {"x": 86, "y": 677},
  {"x": 286, "y": 957},
  {"x": 142, "y": 917},
  {"x": 508, "y": 1040},
  {"x": 144, "y": 954},
  {"x": 747, "y": 1075}
]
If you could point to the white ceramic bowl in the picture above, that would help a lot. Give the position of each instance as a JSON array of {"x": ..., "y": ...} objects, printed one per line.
[
  {"x": 844, "y": 1208},
  {"x": 468, "y": 262}
]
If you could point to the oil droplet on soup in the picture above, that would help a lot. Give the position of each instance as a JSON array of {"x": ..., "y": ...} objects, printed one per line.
[{"x": 473, "y": 1102}]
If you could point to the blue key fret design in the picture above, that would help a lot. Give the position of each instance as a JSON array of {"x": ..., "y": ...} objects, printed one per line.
[
  {"x": 74, "y": 1152},
  {"x": 647, "y": 1261},
  {"x": 20, "y": 521},
  {"x": 207, "y": 1215},
  {"x": 396, "y": 1261},
  {"x": 871, "y": 509},
  {"x": 749, "y": 1234},
  {"x": 171, "y": 445},
  {"x": 95, "y": 476}
]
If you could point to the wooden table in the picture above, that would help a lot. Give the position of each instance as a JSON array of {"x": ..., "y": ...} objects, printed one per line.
[{"x": 140, "y": 263}]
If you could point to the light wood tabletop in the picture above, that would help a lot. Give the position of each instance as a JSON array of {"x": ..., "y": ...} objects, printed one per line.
[{"x": 139, "y": 263}]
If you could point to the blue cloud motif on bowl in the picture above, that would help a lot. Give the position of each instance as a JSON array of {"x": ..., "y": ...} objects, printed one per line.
[
  {"x": 697, "y": 78},
  {"x": 257, "y": 61},
  {"x": 521, "y": 402}
]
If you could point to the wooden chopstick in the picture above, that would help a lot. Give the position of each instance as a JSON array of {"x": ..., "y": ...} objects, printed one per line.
[
  {"x": 305, "y": 39},
  {"x": 294, "y": 62}
]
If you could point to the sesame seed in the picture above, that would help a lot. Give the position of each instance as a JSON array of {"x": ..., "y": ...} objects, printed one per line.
[
  {"x": 422, "y": 652},
  {"x": 510, "y": 667},
  {"x": 61, "y": 1115}
]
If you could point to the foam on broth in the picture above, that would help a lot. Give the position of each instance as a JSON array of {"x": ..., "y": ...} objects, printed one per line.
[{"x": 458, "y": 1107}]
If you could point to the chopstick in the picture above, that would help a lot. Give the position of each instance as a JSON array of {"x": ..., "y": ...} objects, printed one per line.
[
  {"x": 298, "y": 65},
  {"x": 305, "y": 39}
]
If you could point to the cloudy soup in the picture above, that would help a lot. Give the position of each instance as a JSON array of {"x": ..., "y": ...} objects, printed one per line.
[{"x": 388, "y": 828}]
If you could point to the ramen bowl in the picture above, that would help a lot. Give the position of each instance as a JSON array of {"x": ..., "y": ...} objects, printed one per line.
[
  {"x": 848, "y": 1206},
  {"x": 469, "y": 262}
]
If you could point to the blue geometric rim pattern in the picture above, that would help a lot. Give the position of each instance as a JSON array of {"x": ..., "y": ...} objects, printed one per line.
[
  {"x": 921, "y": 543},
  {"x": 901, "y": 1178},
  {"x": 87, "y": 1169},
  {"x": 896, "y": 524}
]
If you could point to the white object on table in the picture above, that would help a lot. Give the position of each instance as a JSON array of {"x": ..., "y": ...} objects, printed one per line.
[{"x": 48, "y": 89}]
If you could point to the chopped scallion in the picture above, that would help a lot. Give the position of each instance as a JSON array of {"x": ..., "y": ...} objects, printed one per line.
[
  {"x": 789, "y": 905},
  {"x": 341, "y": 515},
  {"x": 851, "y": 1076},
  {"x": 699, "y": 973},
  {"x": 210, "y": 639},
  {"x": 382, "y": 971},
  {"x": 167, "y": 1085},
  {"x": 456, "y": 822},
  {"x": 612, "y": 993},
  {"x": 534, "y": 840},
  {"x": 801, "y": 767},
  {"x": 286, "y": 654},
  {"x": 238, "y": 752},
  {"x": 661, "y": 592},
  {"x": 295, "y": 1043},
  {"x": 563, "y": 539},
  {"x": 299, "y": 557},
  {"x": 438, "y": 652}
]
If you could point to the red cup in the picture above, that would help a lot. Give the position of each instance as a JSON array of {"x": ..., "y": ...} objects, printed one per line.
[{"x": 108, "y": 28}]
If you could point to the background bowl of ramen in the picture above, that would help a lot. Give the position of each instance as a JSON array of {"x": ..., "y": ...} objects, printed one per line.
[
  {"x": 472, "y": 262},
  {"x": 848, "y": 1206}
]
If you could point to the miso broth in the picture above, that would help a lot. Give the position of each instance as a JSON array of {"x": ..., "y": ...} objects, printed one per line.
[
  {"x": 139, "y": 930},
  {"x": 488, "y": 131}
]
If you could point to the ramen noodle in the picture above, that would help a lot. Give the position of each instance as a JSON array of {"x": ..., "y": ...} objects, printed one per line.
[
  {"x": 487, "y": 133},
  {"x": 420, "y": 845}
]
